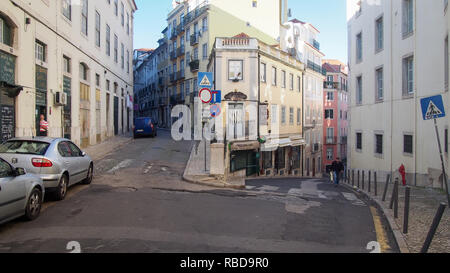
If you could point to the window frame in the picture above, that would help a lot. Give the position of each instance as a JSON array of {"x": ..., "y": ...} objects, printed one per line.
[
  {"x": 67, "y": 13},
  {"x": 405, "y": 150}
]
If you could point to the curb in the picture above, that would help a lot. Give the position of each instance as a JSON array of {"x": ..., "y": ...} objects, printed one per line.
[{"x": 396, "y": 229}]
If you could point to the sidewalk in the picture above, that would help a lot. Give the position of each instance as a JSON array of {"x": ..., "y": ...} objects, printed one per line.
[
  {"x": 99, "y": 151},
  {"x": 424, "y": 203},
  {"x": 196, "y": 172}
]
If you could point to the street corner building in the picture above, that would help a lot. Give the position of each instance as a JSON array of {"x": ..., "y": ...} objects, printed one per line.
[
  {"x": 70, "y": 62},
  {"x": 261, "y": 116},
  {"x": 398, "y": 54}
]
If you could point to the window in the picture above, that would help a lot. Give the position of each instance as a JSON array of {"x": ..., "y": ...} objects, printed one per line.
[
  {"x": 122, "y": 55},
  {"x": 291, "y": 82},
  {"x": 188, "y": 58},
  {"x": 116, "y": 49},
  {"x": 205, "y": 51},
  {"x": 274, "y": 116},
  {"x": 67, "y": 64},
  {"x": 359, "y": 47},
  {"x": 330, "y": 96},
  {"x": 283, "y": 114},
  {"x": 329, "y": 114},
  {"x": 196, "y": 53},
  {"x": 128, "y": 23},
  {"x": 40, "y": 51},
  {"x": 359, "y": 90},
  {"x": 116, "y": 7},
  {"x": 97, "y": 28},
  {"x": 205, "y": 24},
  {"x": 66, "y": 9},
  {"x": 330, "y": 153},
  {"x": 235, "y": 70},
  {"x": 263, "y": 72},
  {"x": 299, "y": 84},
  {"x": 408, "y": 144},
  {"x": 108, "y": 40},
  {"x": 408, "y": 17},
  {"x": 254, "y": 3},
  {"x": 379, "y": 144},
  {"x": 358, "y": 141},
  {"x": 84, "y": 72},
  {"x": 379, "y": 84},
  {"x": 274, "y": 76},
  {"x": 299, "y": 116},
  {"x": 408, "y": 75},
  {"x": 122, "y": 14},
  {"x": 379, "y": 32},
  {"x": 188, "y": 34},
  {"x": 97, "y": 80},
  {"x": 84, "y": 17},
  {"x": 291, "y": 116},
  {"x": 283, "y": 79},
  {"x": 107, "y": 85},
  {"x": 128, "y": 61}
]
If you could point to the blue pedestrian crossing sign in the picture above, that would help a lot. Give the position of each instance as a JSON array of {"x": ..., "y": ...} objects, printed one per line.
[
  {"x": 432, "y": 107},
  {"x": 205, "y": 80}
]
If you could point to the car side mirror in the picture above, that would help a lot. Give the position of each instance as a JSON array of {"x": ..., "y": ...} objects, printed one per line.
[
  {"x": 20, "y": 172},
  {"x": 83, "y": 154}
]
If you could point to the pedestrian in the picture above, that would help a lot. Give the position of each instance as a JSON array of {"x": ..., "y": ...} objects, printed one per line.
[
  {"x": 43, "y": 126},
  {"x": 334, "y": 169},
  {"x": 337, "y": 167}
]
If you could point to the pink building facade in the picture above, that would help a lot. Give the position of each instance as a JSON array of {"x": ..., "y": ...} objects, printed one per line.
[{"x": 336, "y": 113}]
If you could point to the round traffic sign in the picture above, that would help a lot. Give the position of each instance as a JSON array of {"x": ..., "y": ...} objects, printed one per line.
[
  {"x": 215, "y": 110},
  {"x": 205, "y": 95}
]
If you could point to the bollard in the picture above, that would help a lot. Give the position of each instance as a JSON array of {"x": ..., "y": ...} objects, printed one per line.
[
  {"x": 406, "y": 213},
  {"x": 363, "y": 174},
  {"x": 386, "y": 187},
  {"x": 391, "y": 206},
  {"x": 434, "y": 226},
  {"x": 353, "y": 178},
  {"x": 358, "y": 180},
  {"x": 396, "y": 201},
  {"x": 370, "y": 182},
  {"x": 376, "y": 183}
]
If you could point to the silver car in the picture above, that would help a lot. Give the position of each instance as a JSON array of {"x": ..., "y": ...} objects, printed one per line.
[
  {"x": 58, "y": 161},
  {"x": 20, "y": 193}
]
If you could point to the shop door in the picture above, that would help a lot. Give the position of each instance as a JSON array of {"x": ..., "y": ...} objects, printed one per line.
[
  {"x": 252, "y": 164},
  {"x": 116, "y": 116},
  {"x": 314, "y": 167}
]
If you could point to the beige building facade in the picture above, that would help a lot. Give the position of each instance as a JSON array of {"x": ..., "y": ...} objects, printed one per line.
[{"x": 72, "y": 61}]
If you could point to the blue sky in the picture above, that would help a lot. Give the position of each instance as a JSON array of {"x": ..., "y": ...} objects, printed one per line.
[{"x": 329, "y": 16}]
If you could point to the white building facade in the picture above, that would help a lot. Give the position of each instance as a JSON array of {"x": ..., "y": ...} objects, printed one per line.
[
  {"x": 398, "y": 54},
  {"x": 82, "y": 49}
]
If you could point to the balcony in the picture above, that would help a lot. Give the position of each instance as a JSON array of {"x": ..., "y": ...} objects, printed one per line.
[
  {"x": 335, "y": 86},
  {"x": 344, "y": 140},
  {"x": 172, "y": 77},
  {"x": 194, "y": 39},
  {"x": 191, "y": 16},
  {"x": 316, "y": 44},
  {"x": 174, "y": 35},
  {"x": 161, "y": 80},
  {"x": 180, "y": 28},
  {"x": 180, "y": 51},
  {"x": 180, "y": 75},
  {"x": 173, "y": 55},
  {"x": 329, "y": 140},
  {"x": 317, "y": 68},
  {"x": 194, "y": 65}
]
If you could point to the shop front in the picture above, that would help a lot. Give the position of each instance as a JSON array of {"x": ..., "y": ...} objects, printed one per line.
[{"x": 245, "y": 156}]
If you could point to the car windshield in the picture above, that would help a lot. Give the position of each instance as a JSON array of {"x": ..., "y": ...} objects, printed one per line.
[{"x": 24, "y": 147}]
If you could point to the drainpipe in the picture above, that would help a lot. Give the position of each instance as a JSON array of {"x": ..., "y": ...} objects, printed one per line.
[
  {"x": 392, "y": 86},
  {"x": 282, "y": 15},
  {"x": 415, "y": 95},
  {"x": 259, "y": 92},
  {"x": 303, "y": 122}
]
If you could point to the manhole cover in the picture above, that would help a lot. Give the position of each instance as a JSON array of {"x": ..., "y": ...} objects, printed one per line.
[{"x": 125, "y": 189}]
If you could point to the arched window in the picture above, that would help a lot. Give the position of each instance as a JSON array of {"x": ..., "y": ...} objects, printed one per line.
[
  {"x": 6, "y": 32},
  {"x": 84, "y": 72}
]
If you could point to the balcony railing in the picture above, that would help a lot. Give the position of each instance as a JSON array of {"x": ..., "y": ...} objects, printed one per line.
[
  {"x": 180, "y": 75},
  {"x": 172, "y": 77},
  {"x": 174, "y": 34},
  {"x": 331, "y": 140},
  {"x": 194, "y": 39},
  {"x": 317, "y": 68},
  {"x": 173, "y": 54},
  {"x": 180, "y": 51},
  {"x": 316, "y": 44},
  {"x": 344, "y": 140},
  {"x": 191, "y": 16},
  {"x": 335, "y": 85},
  {"x": 194, "y": 65}
]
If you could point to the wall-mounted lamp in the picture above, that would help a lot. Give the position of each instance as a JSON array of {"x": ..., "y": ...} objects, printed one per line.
[{"x": 27, "y": 21}]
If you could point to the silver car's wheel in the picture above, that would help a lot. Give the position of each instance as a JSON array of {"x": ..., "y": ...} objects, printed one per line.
[
  {"x": 34, "y": 205},
  {"x": 90, "y": 175},
  {"x": 62, "y": 188}
]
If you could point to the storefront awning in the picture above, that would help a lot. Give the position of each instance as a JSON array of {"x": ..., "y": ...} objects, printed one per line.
[
  {"x": 11, "y": 89},
  {"x": 245, "y": 146}
]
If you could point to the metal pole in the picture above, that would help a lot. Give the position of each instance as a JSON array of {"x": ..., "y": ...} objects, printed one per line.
[
  {"x": 363, "y": 174},
  {"x": 386, "y": 187},
  {"x": 358, "y": 179},
  {"x": 353, "y": 178},
  {"x": 376, "y": 183},
  {"x": 391, "y": 205},
  {"x": 406, "y": 213},
  {"x": 442, "y": 161},
  {"x": 396, "y": 201},
  {"x": 434, "y": 226},
  {"x": 370, "y": 182}
]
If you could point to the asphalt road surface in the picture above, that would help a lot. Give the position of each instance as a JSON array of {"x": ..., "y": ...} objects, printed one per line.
[{"x": 138, "y": 203}]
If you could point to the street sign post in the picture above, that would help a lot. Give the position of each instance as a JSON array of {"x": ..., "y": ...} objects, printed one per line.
[
  {"x": 205, "y": 80},
  {"x": 433, "y": 108}
]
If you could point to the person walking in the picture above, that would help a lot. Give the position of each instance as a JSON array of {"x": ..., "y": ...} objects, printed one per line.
[
  {"x": 338, "y": 168},
  {"x": 43, "y": 126}
]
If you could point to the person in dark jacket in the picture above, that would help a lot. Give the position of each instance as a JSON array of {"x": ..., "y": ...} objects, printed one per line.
[{"x": 337, "y": 167}]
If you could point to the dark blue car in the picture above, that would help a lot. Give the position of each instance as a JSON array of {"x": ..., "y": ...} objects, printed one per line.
[{"x": 144, "y": 127}]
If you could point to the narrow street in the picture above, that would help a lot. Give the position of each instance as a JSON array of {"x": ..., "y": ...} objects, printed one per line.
[{"x": 138, "y": 203}]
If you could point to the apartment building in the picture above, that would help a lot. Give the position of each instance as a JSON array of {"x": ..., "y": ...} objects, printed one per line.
[
  {"x": 335, "y": 104},
  {"x": 69, "y": 61},
  {"x": 193, "y": 27},
  {"x": 261, "y": 109},
  {"x": 398, "y": 54},
  {"x": 300, "y": 39}
]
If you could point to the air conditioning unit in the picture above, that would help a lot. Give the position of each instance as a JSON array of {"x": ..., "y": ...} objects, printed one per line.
[{"x": 60, "y": 98}]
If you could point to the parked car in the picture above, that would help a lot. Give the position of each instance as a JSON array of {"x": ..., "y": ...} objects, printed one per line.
[
  {"x": 21, "y": 194},
  {"x": 57, "y": 161},
  {"x": 144, "y": 127}
]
